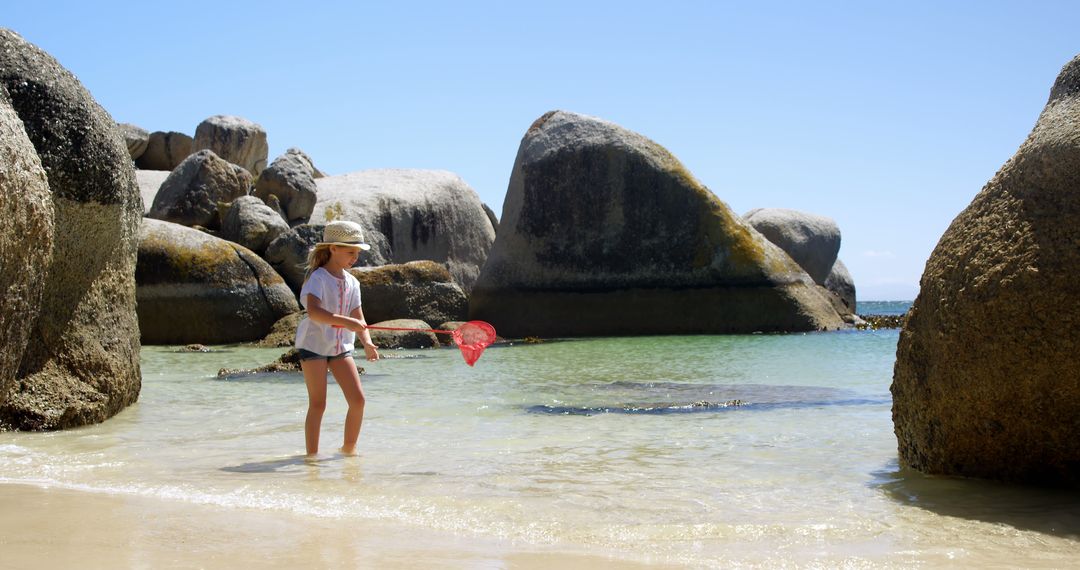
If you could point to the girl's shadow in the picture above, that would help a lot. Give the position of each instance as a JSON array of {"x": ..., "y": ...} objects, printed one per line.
[{"x": 275, "y": 465}]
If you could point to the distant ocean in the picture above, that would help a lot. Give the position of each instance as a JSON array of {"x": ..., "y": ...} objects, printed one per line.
[
  {"x": 882, "y": 307},
  {"x": 772, "y": 450}
]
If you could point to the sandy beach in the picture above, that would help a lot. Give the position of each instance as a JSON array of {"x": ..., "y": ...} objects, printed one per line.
[{"x": 61, "y": 528}]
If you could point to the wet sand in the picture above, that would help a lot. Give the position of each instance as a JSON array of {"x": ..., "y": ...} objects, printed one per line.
[{"x": 61, "y": 528}]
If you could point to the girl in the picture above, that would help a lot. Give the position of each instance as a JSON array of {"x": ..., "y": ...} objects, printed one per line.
[{"x": 325, "y": 337}]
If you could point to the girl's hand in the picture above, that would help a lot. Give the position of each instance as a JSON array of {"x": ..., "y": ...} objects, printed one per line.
[
  {"x": 357, "y": 326},
  {"x": 371, "y": 352}
]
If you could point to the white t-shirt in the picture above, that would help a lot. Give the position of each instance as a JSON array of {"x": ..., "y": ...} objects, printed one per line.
[{"x": 339, "y": 296}]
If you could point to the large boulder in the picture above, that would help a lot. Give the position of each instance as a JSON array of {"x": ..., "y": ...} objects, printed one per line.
[
  {"x": 26, "y": 239},
  {"x": 985, "y": 382},
  {"x": 291, "y": 178},
  {"x": 812, "y": 241},
  {"x": 252, "y": 224},
  {"x": 136, "y": 138},
  {"x": 415, "y": 290},
  {"x": 414, "y": 215},
  {"x": 80, "y": 364},
  {"x": 234, "y": 139},
  {"x": 604, "y": 232},
  {"x": 190, "y": 195},
  {"x": 164, "y": 151},
  {"x": 150, "y": 182},
  {"x": 196, "y": 288}
]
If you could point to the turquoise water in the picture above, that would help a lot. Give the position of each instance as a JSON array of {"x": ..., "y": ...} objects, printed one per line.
[{"x": 770, "y": 450}]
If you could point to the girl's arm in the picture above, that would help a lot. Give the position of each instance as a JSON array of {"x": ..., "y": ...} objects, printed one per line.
[
  {"x": 320, "y": 315},
  {"x": 370, "y": 350}
]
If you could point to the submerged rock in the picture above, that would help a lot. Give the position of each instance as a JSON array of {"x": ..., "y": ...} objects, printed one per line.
[
  {"x": 604, "y": 232},
  {"x": 985, "y": 383},
  {"x": 80, "y": 360},
  {"x": 287, "y": 362}
]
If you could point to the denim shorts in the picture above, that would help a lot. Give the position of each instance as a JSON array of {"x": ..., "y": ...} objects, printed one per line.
[{"x": 308, "y": 355}]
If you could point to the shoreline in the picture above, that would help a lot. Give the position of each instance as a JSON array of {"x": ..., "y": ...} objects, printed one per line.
[{"x": 59, "y": 527}]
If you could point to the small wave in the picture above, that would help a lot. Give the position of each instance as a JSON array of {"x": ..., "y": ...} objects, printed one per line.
[{"x": 695, "y": 407}]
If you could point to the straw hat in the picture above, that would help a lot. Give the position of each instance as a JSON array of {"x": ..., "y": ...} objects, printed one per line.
[{"x": 344, "y": 233}]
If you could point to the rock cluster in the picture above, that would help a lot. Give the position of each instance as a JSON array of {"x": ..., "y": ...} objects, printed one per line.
[{"x": 605, "y": 233}]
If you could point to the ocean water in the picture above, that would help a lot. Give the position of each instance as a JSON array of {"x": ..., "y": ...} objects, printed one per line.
[
  {"x": 751, "y": 450},
  {"x": 882, "y": 307}
]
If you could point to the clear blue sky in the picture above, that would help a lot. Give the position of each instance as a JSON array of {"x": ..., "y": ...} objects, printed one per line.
[{"x": 888, "y": 118}]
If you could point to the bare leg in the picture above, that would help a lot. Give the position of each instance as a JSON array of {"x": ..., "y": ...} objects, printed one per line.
[
  {"x": 348, "y": 378},
  {"x": 315, "y": 378}
]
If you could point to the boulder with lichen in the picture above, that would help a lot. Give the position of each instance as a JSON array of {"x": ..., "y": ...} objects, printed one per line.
[{"x": 604, "y": 232}]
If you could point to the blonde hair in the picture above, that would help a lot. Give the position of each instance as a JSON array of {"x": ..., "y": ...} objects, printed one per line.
[{"x": 317, "y": 257}]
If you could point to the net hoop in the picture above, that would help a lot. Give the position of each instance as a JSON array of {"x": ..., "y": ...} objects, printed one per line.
[{"x": 472, "y": 338}]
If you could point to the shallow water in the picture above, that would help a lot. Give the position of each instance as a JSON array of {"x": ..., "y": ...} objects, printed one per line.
[{"x": 773, "y": 450}]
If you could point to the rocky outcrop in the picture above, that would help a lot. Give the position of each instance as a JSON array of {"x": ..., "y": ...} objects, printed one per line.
[
  {"x": 604, "y": 232},
  {"x": 411, "y": 215},
  {"x": 841, "y": 284},
  {"x": 234, "y": 139},
  {"x": 190, "y": 195},
  {"x": 193, "y": 287},
  {"x": 26, "y": 239},
  {"x": 150, "y": 182},
  {"x": 252, "y": 224},
  {"x": 290, "y": 178},
  {"x": 164, "y": 151},
  {"x": 420, "y": 290},
  {"x": 136, "y": 138},
  {"x": 985, "y": 382},
  {"x": 80, "y": 363},
  {"x": 811, "y": 240}
]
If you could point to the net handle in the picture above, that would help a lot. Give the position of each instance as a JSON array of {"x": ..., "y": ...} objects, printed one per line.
[
  {"x": 408, "y": 329},
  {"x": 400, "y": 329}
]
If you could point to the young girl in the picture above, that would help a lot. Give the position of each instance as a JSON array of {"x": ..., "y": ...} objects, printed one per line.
[{"x": 325, "y": 337}]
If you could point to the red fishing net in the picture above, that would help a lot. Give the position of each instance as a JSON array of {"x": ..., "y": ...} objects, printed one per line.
[{"x": 472, "y": 338}]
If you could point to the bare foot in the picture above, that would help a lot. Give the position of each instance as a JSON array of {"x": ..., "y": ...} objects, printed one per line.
[{"x": 349, "y": 451}]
